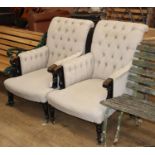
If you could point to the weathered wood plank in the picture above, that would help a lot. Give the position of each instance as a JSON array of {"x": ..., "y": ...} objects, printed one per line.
[
  {"x": 146, "y": 48},
  {"x": 143, "y": 72},
  {"x": 145, "y": 55},
  {"x": 144, "y": 64},
  {"x": 133, "y": 106},
  {"x": 141, "y": 88},
  {"x": 139, "y": 79}
]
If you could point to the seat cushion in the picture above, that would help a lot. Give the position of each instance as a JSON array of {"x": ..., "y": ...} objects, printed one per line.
[
  {"x": 81, "y": 100},
  {"x": 33, "y": 86}
]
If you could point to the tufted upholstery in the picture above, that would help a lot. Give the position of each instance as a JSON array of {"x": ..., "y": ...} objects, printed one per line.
[
  {"x": 66, "y": 36},
  {"x": 114, "y": 44},
  {"x": 34, "y": 60},
  {"x": 78, "y": 69},
  {"x": 66, "y": 40}
]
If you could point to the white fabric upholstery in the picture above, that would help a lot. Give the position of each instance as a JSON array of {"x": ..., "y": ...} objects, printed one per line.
[
  {"x": 66, "y": 40},
  {"x": 34, "y": 59},
  {"x": 120, "y": 80},
  {"x": 114, "y": 44},
  {"x": 78, "y": 69},
  {"x": 33, "y": 86},
  {"x": 66, "y": 36},
  {"x": 81, "y": 100}
]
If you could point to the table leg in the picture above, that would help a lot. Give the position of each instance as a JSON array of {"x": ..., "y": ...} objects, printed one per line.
[
  {"x": 105, "y": 126},
  {"x": 118, "y": 128}
]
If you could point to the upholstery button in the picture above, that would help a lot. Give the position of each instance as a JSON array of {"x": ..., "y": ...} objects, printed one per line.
[
  {"x": 65, "y": 56},
  {"x": 41, "y": 55},
  {"x": 127, "y": 47},
  {"x": 75, "y": 40},
  {"x": 133, "y": 29},
  {"x": 53, "y": 37},
  {"x": 61, "y": 38},
  {"x": 71, "y": 49},
  {"x": 116, "y": 37},
  {"x": 109, "y": 44},
  {"x": 114, "y": 66},
  {"x": 59, "y": 29},
  {"x": 68, "y": 39},
  {"x": 105, "y": 25},
  {"x": 121, "y": 58},
  {"x": 58, "y": 21},
  {"x": 106, "y": 64},
  {"x": 99, "y": 62},
  {"x": 56, "y": 45},
  {"x": 99, "y": 42},
  {"x": 112, "y": 56},
  {"x": 73, "y": 30},
  {"x": 25, "y": 59},
  {"x": 124, "y": 37},
  {"x": 31, "y": 58},
  {"x": 81, "y": 23},
  {"x": 36, "y": 56},
  {"x": 114, "y": 27},
  {"x": 59, "y": 54},
  {"x": 103, "y": 54},
  {"x": 123, "y": 27},
  {"x": 106, "y": 35},
  {"x": 66, "y": 30},
  {"x": 63, "y": 48},
  {"x": 52, "y": 53},
  {"x": 69, "y": 69},
  {"x": 118, "y": 46},
  {"x": 66, "y": 21},
  {"x": 72, "y": 23}
]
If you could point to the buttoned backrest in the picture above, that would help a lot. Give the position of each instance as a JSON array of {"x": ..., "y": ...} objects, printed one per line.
[
  {"x": 114, "y": 44},
  {"x": 66, "y": 36}
]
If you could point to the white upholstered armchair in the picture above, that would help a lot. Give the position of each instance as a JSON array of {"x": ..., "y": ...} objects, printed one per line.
[
  {"x": 98, "y": 75},
  {"x": 66, "y": 39}
]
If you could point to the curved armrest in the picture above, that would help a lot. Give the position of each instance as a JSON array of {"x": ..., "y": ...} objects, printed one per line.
[
  {"x": 34, "y": 59},
  {"x": 76, "y": 70},
  {"x": 116, "y": 83}
]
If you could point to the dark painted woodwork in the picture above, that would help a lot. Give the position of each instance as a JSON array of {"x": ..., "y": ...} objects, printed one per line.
[
  {"x": 46, "y": 111},
  {"x": 108, "y": 84}
]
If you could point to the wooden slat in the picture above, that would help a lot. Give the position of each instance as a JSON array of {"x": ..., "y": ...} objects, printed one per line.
[
  {"x": 15, "y": 44},
  {"x": 4, "y": 60},
  {"x": 4, "y": 47},
  {"x": 3, "y": 52},
  {"x": 137, "y": 11},
  {"x": 142, "y": 72},
  {"x": 20, "y": 40},
  {"x": 144, "y": 64},
  {"x": 146, "y": 48},
  {"x": 139, "y": 79},
  {"x": 22, "y": 30},
  {"x": 3, "y": 67},
  {"x": 141, "y": 88},
  {"x": 132, "y": 106},
  {"x": 145, "y": 55},
  {"x": 20, "y": 34}
]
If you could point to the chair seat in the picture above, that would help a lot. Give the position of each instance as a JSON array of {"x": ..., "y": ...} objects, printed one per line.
[
  {"x": 81, "y": 100},
  {"x": 33, "y": 86}
]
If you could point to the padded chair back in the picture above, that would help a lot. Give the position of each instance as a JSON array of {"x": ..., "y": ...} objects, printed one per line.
[
  {"x": 67, "y": 36},
  {"x": 114, "y": 44}
]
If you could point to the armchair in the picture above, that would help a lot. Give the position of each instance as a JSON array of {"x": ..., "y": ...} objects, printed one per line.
[
  {"x": 66, "y": 39},
  {"x": 83, "y": 78}
]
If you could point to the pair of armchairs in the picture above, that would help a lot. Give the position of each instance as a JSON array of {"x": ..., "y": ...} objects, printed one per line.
[{"x": 81, "y": 82}]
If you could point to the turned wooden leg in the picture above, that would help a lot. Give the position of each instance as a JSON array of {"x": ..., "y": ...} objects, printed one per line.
[
  {"x": 118, "y": 128},
  {"x": 10, "y": 99},
  {"x": 52, "y": 114},
  {"x": 99, "y": 128},
  {"x": 46, "y": 111}
]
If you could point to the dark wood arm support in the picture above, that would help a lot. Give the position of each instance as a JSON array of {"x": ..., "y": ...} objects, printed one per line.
[
  {"x": 16, "y": 66},
  {"x": 60, "y": 73},
  {"x": 108, "y": 84},
  {"x": 52, "y": 69}
]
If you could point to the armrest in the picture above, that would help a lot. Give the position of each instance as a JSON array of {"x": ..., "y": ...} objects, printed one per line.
[
  {"x": 116, "y": 83},
  {"x": 76, "y": 70},
  {"x": 34, "y": 59}
]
